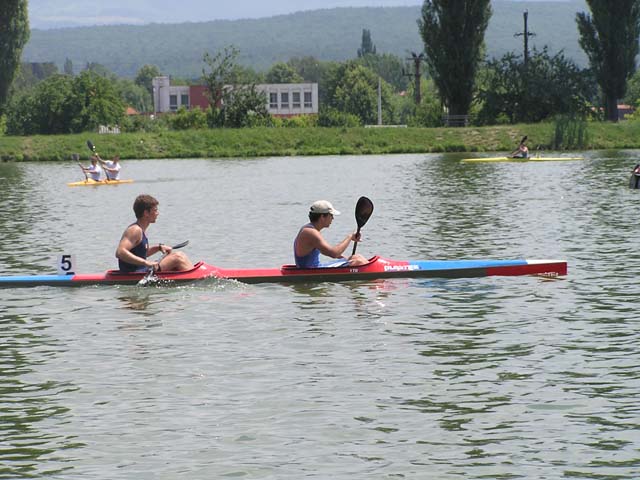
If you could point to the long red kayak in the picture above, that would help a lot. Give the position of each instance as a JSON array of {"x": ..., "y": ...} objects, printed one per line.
[{"x": 377, "y": 267}]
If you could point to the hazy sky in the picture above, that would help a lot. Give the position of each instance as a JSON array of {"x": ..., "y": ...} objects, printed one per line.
[{"x": 59, "y": 13}]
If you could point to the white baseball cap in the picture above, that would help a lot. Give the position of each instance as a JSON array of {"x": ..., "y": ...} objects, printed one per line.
[{"x": 323, "y": 206}]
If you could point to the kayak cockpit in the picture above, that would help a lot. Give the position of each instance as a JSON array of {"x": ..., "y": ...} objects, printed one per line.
[{"x": 294, "y": 269}]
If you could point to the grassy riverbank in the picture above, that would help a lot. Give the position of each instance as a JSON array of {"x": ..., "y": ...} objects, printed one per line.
[{"x": 308, "y": 141}]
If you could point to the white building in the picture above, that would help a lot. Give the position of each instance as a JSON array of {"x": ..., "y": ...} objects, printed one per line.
[{"x": 283, "y": 99}]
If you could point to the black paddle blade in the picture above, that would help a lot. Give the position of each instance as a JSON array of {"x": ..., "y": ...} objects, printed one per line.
[
  {"x": 524, "y": 139},
  {"x": 180, "y": 245},
  {"x": 364, "y": 209},
  {"x": 91, "y": 146}
]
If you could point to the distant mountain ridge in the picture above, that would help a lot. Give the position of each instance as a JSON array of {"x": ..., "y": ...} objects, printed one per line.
[{"x": 328, "y": 34}]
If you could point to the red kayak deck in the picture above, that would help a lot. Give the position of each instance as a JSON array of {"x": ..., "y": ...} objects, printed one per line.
[{"x": 377, "y": 267}]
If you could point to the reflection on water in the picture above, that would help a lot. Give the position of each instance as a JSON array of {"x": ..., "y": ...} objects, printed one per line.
[
  {"x": 30, "y": 402},
  {"x": 505, "y": 377}
]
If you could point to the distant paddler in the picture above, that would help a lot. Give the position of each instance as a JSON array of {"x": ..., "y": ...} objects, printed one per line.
[
  {"x": 93, "y": 171},
  {"x": 111, "y": 167},
  {"x": 522, "y": 151}
]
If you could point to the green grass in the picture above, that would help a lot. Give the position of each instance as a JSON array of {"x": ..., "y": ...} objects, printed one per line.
[{"x": 256, "y": 142}]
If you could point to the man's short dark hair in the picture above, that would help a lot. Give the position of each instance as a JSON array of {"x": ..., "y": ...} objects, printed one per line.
[{"x": 143, "y": 202}]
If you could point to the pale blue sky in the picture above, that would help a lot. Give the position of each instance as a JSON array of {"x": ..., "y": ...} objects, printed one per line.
[
  {"x": 52, "y": 13},
  {"x": 70, "y": 13}
]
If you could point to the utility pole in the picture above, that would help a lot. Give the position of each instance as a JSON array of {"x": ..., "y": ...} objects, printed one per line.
[
  {"x": 526, "y": 34},
  {"x": 417, "y": 59}
]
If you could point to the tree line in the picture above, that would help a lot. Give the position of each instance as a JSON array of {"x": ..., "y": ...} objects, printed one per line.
[{"x": 455, "y": 79}]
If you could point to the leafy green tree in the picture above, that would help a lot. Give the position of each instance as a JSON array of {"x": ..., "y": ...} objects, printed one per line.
[
  {"x": 134, "y": 95},
  {"x": 453, "y": 35},
  {"x": 313, "y": 70},
  {"x": 244, "y": 74},
  {"x": 282, "y": 73},
  {"x": 234, "y": 102},
  {"x": 145, "y": 75},
  {"x": 330, "y": 117},
  {"x": 389, "y": 67},
  {"x": 43, "y": 109},
  {"x": 309, "y": 68},
  {"x": 14, "y": 33},
  {"x": 632, "y": 97},
  {"x": 100, "y": 70},
  {"x": 427, "y": 114},
  {"x": 188, "y": 119},
  {"x": 366, "y": 46},
  {"x": 222, "y": 73},
  {"x": 546, "y": 86},
  {"x": 64, "y": 104},
  {"x": 95, "y": 102},
  {"x": 353, "y": 88},
  {"x": 29, "y": 74},
  {"x": 609, "y": 37},
  {"x": 246, "y": 107}
]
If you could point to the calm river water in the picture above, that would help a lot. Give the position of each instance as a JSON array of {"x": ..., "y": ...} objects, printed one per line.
[{"x": 516, "y": 377}]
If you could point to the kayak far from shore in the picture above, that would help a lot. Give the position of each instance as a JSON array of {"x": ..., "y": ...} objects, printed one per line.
[{"x": 263, "y": 141}]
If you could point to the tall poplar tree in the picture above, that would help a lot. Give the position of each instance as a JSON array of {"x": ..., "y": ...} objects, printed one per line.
[
  {"x": 609, "y": 37},
  {"x": 14, "y": 33},
  {"x": 453, "y": 35}
]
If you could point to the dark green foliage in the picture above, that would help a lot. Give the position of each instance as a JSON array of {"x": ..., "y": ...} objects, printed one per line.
[
  {"x": 145, "y": 75},
  {"x": 188, "y": 119},
  {"x": 30, "y": 74},
  {"x": 134, "y": 95},
  {"x": 609, "y": 37},
  {"x": 366, "y": 46},
  {"x": 353, "y": 88},
  {"x": 44, "y": 109},
  {"x": 309, "y": 68},
  {"x": 282, "y": 73},
  {"x": 235, "y": 102},
  {"x": 546, "y": 86},
  {"x": 389, "y": 67},
  {"x": 100, "y": 70},
  {"x": 327, "y": 35},
  {"x": 221, "y": 73},
  {"x": 95, "y": 102},
  {"x": 330, "y": 117},
  {"x": 62, "y": 104},
  {"x": 427, "y": 114},
  {"x": 632, "y": 95},
  {"x": 453, "y": 34},
  {"x": 245, "y": 107},
  {"x": 14, "y": 33}
]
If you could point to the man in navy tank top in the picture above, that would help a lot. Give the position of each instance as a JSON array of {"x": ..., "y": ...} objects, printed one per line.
[
  {"x": 309, "y": 243},
  {"x": 134, "y": 249}
]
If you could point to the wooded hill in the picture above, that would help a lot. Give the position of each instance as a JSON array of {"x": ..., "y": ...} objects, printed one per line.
[{"x": 331, "y": 34}]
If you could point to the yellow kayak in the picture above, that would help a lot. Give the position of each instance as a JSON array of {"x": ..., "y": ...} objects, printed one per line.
[
  {"x": 97, "y": 183},
  {"x": 512, "y": 159}
]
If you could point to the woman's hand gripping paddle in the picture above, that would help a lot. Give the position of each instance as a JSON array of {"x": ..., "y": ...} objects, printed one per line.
[
  {"x": 150, "y": 276},
  {"x": 364, "y": 209}
]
